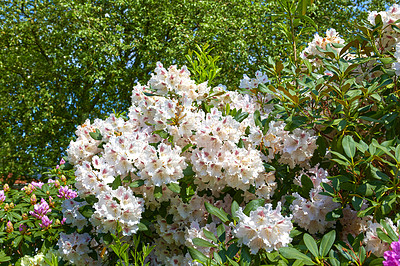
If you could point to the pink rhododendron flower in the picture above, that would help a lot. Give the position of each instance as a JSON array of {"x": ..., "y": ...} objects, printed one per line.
[
  {"x": 392, "y": 257},
  {"x": 40, "y": 209}
]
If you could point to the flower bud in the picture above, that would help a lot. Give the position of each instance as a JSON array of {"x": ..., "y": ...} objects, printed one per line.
[
  {"x": 57, "y": 184},
  {"x": 28, "y": 189},
  {"x": 9, "y": 227},
  {"x": 63, "y": 178},
  {"x": 25, "y": 216},
  {"x": 33, "y": 199},
  {"x": 6, "y": 188},
  {"x": 12, "y": 205},
  {"x": 6, "y": 207},
  {"x": 51, "y": 203},
  {"x": 23, "y": 228}
]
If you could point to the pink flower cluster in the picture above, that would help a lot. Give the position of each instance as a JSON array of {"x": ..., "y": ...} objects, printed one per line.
[
  {"x": 40, "y": 211},
  {"x": 392, "y": 256},
  {"x": 67, "y": 193}
]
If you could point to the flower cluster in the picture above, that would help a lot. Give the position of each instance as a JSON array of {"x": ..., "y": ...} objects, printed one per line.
[
  {"x": 167, "y": 138},
  {"x": 265, "y": 228},
  {"x": 392, "y": 256},
  {"x": 75, "y": 248},
  {"x": 67, "y": 193},
  {"x": 372, "y": 242},
  {"x": 117, "y": 206},
  {"x": 251, "y": 83},
  {"x": 70, "y": 210},
  {"x": 389, "y": 35},
  {"x": 332, "y": 37},
  {"x": 310, "y": 213},
  {"x": 40, "y": 209}
]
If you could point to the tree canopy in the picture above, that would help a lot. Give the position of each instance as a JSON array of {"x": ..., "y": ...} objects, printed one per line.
[{"x": 64, "y": 61}]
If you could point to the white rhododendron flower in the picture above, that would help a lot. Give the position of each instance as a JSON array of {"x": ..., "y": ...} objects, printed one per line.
[
  {"x": 371, "y": 240},
  {"x": 310, "y": 213},
  {"x": 251, "y": 83},
  {"x": 332, "y": 37},
  {"x": 74, "y": 248},
  {"x": 117, "y": 206},
  {"x": 352, "y": 224},
  {"x": 264, "y": 228},
  {"x": 71, "y": 213}
]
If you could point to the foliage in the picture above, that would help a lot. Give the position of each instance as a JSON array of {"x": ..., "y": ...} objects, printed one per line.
[
  {"x": 298, "y": 168},
  {"x": 63, "y": 62},
  {"x": 21, "y": 233}
]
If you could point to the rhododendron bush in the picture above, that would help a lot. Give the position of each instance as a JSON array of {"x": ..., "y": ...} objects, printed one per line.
[{"x": 296, "y": 165}]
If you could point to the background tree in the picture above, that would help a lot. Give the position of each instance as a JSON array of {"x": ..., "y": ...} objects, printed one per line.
[{"x": 63, "y": 61}]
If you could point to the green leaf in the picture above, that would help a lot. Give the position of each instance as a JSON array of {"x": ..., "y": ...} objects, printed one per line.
[
  {"x": 96, "y": 135},
  {"x": 340, "y": 156},
  {"x": 4, "y": 257},
  {"x": 17, "y": 240},
  {"x": 389, "y": 231},
  {"x": 357, "y": 202},
  {"x": 158, "y": 192},
  {"x": 91, "y": 199},
  {"x": 307, "y": 185},
  {"x": 137, "y": 183},
  {"x": 163, "y": 134},
  {"x": 292, "y": 253},
  {"x": 333, "y": 258},
  {"x": 333, "y": 215},
  {"x": 234, "y": 208},
  {"x": 188, "y": 171},
  {"x": 252, "y": 205},
  {"x": 362, "y": 254},
  {"x": 232, "y": 262},
  {"x": 257, "y": 119},
  {"x": 376, "y": 262},
  {"x": 245, "y": 257},
  {"x": 197, "y": 255},
  {"x": 221, "y": 214},
  {"x": 202, "y": 243},
  {"x": 221, "y": 233},
  {"x": 187, "y": 146},
  {"x": 294, "y": 122},
  {"x": 117, "y": 183},
  {"x": 210, "y": 235},
  {"x": 397, "y": 153},
  {"x": 107, "y": 238},
  {"x": 174, "y": 187},
  {"x": 342, "y": 124},
  {"x": 142, "y": 227},
  {"x": 384, "y": 237},
  {"x": 241, "y": 116},
  {"x": 218, "y": 258},
  {"x": 365, "y": 212},
  {"x": 232, "y": 251},
  {"x": 311, "y": 244},
  {"x": 240, "y": 144},
  {"x": 326, "y": 243},
  {"x": 349, "y": 146},
  {"x": 87, "y": 211}
]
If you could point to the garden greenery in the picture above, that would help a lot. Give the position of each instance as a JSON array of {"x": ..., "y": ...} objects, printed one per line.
[{"x": 299, "y": 165}]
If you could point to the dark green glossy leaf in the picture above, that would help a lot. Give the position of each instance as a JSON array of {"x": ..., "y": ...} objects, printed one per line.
[{"x": 326, "y": 243}]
